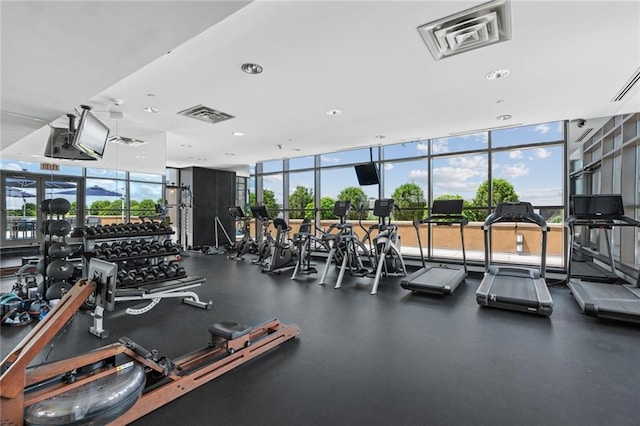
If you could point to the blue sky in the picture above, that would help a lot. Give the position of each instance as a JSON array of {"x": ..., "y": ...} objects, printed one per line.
[{"x": 536, "y": 173}]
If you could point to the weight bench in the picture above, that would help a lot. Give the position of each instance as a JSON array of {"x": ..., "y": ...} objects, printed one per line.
[{"x": 154, "y": 293}]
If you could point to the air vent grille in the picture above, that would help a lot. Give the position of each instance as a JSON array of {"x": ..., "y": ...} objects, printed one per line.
[
  {"x": 470, "y": 29},
  {"x": 584, "y": 135},
  {"x": 203, "y": 113},
  {"x": 122, "y": 140},
  {"x": 627, "y": 87}
]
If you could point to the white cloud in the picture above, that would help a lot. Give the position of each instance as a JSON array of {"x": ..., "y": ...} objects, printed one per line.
[
  {"x": 542, "y": 128},
  {"x": 418, "y": 174},
  {"x": 542, "y": 196},
  {"x": 438, "y": 146},
  {"x": 388, "y": 166},
  {"x": 515, "y": 154},
  {"x": 273, "y": 178},
  {"x": 514, "y": 171},
  {"x": 542, "y": 153},
  {"x": 326, "y": 159},
  {"x": 452, "y": 174},
  {"x": 469, "y": 162},
  {"x": 423, "y": 147}
]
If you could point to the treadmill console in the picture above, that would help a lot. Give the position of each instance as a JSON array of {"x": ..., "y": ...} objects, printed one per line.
[
  {"x": 520, "y": 209},
  {"x": 383, "y": 207},
  {"x": 596, "y": 206},
  {"x": 447, "y": 207}
]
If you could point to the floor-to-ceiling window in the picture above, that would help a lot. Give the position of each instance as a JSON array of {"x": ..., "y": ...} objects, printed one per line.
[{"x": 524, "y": 163}]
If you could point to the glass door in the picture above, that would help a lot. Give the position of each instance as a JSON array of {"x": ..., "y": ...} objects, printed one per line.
[{"x": 21, "y": 197}]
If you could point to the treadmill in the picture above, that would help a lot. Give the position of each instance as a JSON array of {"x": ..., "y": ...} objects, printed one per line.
[
  {"x": 618, "y": 301},
  {"x": 439, "y": 279},
  {"x": 515, "y": 287}
]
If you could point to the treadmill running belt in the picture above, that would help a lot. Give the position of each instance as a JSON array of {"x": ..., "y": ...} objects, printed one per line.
[{"x": 620, "y": 302}]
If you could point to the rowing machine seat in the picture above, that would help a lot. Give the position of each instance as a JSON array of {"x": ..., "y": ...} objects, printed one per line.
[{"x": 229, "y": 330}]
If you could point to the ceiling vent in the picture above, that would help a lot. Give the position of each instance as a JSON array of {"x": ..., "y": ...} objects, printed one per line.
[
  {"x": 582, "y": 137},
  {"x": 470, "y": 29},
  {"x": 203, "y": 113},
  {"x": 627, "y": 87},
  {"x": 122, "y": 140}
]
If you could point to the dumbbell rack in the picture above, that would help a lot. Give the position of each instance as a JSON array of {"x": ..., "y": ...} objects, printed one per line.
[{"x": 143, "y": 288}]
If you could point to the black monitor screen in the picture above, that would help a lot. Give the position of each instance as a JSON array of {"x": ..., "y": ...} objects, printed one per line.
[
  {"x": 597, "y": 205},
  {"x": 259, "y": 212},
  {"x": 60, "y": 146},
  {"x": 341, "y": 208},
  {"x": 383, "y": 207},
  {"x": 367, "y": 174},
  {"x": 236, "y": 212},
  {"x": 91, "y": 136},
  {"x": 447, "y": 207}
]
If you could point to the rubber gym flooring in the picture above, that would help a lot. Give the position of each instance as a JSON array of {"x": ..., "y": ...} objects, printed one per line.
[{"x": 392, "y": 359}]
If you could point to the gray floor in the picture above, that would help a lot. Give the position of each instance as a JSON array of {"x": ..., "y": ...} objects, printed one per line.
[{"x": 391, "y": 359}]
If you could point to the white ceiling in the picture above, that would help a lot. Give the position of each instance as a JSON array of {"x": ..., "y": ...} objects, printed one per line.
[{"x": 567, "y": 59}]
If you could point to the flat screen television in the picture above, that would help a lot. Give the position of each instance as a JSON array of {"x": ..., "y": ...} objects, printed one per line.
[
  {"x": 367, "y": 174},
  {"x": 60, "y": 146},
  {"x": 91, "y": 136}
]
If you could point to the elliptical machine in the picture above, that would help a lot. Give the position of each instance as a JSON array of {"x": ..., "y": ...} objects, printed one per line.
[
  {"x": 386, "y": 244},
  {"x": 302, "y": 241},
  {"x": 346, "y": 249},
  {"x": 264, "y": 240},
  {"x": 283, "y": 255},
  {"x": 247, "y": 244}
]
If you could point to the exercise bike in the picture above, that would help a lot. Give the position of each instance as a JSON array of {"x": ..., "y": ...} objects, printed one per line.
[
  {"x": 304, "y": 242},
  {"x": 283, "y": 253},
  {"x": 264, "y": 239}
]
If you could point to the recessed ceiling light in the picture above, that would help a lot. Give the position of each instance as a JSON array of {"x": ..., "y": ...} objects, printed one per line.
[
  {"x": 251, "y": 68},
  {"x": 504, "y": 117},
  {"x": 380, "y": 136},
  {"x": 185, "y": 145},
  {"x": 334, "y": 112},
  {"x": 237, "y": 134},
  {"x": 229, "y": 154},
  {"x": 497, "y": 74},
  {"x": 151, "y": 110},
  {"x": 140, "y": 157}
]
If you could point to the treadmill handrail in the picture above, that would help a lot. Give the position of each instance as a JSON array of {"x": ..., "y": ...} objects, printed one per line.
[
  {"x": 449, "y": 220},
  {"x": 515, "y": 218},
  {"x": 597, "y": 221}
]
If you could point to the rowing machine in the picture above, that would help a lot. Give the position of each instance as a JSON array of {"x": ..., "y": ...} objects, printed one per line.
[{"x": 130, "y": 380}]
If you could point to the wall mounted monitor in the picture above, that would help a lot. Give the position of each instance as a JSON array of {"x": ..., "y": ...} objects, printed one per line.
[
  {"x": 91, "y": 136},
  {"x": 367, "y": 174}
]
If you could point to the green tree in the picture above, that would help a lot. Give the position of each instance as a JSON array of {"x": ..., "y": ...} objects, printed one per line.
[
  {"x": 145, "y": 207},
  {"x": 298, "y": 202},
  {"x": 326, "y": 209},
  {"x": 410, "y": 198},
  {"x": 100, "y": 208},
  {"x": 502, "y": 191},
  {"x": 74, "y": 208},
  {"x": 356, "y": 196},
  {"x": 269, "y": 201}
]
